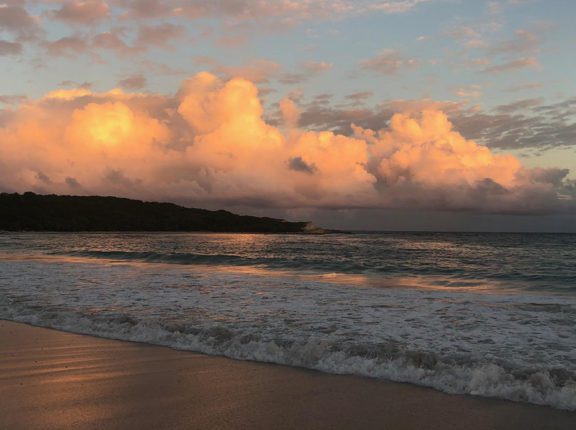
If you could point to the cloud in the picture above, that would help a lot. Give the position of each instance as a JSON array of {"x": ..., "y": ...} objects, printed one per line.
[
  {"x": 523, "y": 42},
  {"x": 262, "y": 70},
  {"x": 288, "y": 12},
  {"x": 130, "y": 27},
  {"x": 87, "y": 12},
  {"x": 12, "y": 99},
  {"x": 259, "y": 70},
  {"x": 359, "y": 97},
  {"x": 66, "y": 46},
  {"x": 114, "y": 39},
  {"x": 470, "y": 36},
  {"x": 69, "y": 83},
  {"x": 15, "y": 19},
  {"x": 307, "y": 70},
  {"x": 299, "y": 165},
  {"x": 290, "y": 113},
  {"x": 521, "y": 63},
  {"x": 527, "y": 124},
  {"x": 111, "y": 40},
  {"x": 10, "y": 48},
  {"x": 469, "y": 92},
  {"x": 395, "y": 6},
  {"x": 388, "y": 62},
  {"x": 157, "y": 35},
  {"x": 209, "y": 144},
  {"x": 145, "y": 8},
  {"x": 524, "y": 87},
  {"x": 133, "y": 82},
  {"x": 500, "y": 52},
  {"x": 519, "y": 105}
]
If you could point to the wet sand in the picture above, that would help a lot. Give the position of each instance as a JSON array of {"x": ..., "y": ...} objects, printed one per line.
[{"x": 56, "y": 380}]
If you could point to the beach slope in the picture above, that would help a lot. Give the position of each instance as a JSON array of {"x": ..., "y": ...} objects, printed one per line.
[{"x": 56, "y": 380}]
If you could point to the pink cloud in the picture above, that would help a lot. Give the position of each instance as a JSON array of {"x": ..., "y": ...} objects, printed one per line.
[
  {"x": 210, "y": 144},
  {"x": 509, "y": 66},
  {"x": 389, "y": 62},
  {"x": 84, "y": 12},
  {"x": 10, "y": 48}
]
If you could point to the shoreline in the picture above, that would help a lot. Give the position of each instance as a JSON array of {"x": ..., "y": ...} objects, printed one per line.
[{"x": 52, "y": 379}]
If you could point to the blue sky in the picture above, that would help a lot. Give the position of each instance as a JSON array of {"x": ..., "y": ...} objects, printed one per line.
[{"x": 444, "y": 37}]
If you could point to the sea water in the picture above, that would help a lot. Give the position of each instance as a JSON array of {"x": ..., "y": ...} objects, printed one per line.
[{"x": 483, "y": 314}]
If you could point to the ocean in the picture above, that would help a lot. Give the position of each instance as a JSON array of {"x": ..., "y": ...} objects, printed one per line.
[{"x": 482, "y": 314}]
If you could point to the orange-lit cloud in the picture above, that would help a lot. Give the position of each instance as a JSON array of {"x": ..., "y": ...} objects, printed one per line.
[{"x": 209, "y": 143}]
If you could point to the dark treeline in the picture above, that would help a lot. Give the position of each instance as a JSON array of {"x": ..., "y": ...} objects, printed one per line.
[{"x": 33, "y": 212}]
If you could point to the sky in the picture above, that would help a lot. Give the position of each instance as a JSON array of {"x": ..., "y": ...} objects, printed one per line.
[{"x": 365, "y": 114}]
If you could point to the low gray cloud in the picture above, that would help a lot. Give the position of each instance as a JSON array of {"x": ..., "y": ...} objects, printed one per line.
[
  {"x": 523, "y": 124},
  {"x": 299, "y": 165}
]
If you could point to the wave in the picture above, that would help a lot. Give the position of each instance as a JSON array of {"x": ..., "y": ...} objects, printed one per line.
[
  {"x": 306, "y": 263},
  {"x": 157, "y": 257},
  {"x": 218, "y": 259},
  {"x": 393, "y": 361}
]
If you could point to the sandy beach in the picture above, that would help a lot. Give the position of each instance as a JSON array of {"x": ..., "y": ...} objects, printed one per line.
[{"x": 55, "y": 380}]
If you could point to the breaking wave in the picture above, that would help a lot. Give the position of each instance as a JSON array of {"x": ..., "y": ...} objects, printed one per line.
[
  {"x": 393, "y": 361},
  {"x": 494, "y": 316}
]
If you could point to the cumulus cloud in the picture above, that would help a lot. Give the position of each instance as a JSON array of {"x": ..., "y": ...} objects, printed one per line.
[
  {"x": 290, "y": 112},
  {"x": 210, "y": 144}
]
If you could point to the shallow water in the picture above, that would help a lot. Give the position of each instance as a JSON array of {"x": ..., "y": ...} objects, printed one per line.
[{"x": 484, "y": 314}]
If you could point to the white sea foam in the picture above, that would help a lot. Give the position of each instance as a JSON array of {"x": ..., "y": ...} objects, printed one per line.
[{"x": 512, "y": 346}]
